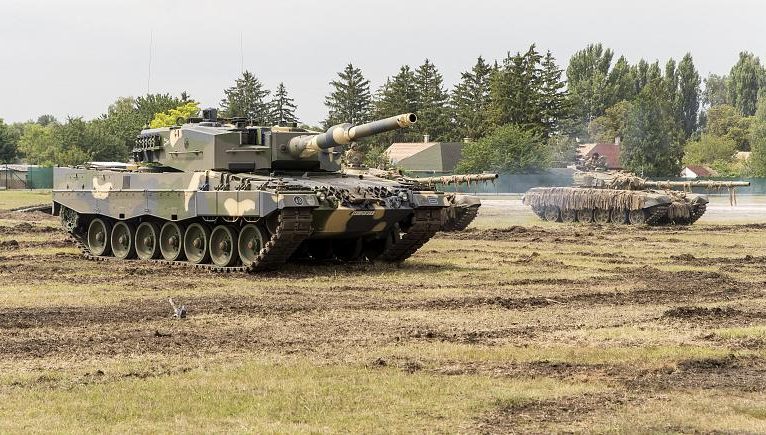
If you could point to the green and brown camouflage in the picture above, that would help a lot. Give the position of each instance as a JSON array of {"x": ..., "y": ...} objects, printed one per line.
[
  {"x": 463, "y": 208},
  {"x": 245, "y": 197},
  {"x": 604, "y": 196}
]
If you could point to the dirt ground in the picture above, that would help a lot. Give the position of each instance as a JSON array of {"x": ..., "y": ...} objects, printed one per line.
[{"x": 514, "y": 325}]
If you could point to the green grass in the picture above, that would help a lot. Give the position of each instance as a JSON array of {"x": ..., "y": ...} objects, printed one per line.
[
  {"x": 18, "y": 198},
  {"x": 265, "y": 396}
]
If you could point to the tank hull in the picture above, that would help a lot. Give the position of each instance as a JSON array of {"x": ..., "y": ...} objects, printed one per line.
[
  {"x": 615, "y": 206},
  {"x": 361, "y": 219}
]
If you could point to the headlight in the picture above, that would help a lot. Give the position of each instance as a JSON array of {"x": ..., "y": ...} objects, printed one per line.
[
  {"x": 321, "y": 196},
  {"x": 403, "y": 195}
]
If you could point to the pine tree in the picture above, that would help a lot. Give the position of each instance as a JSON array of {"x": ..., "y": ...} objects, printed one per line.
[
  {"x": 282, "y": 107},
  {"x": 350, "y": 99},
  {"x": 689, "y": 94},
  {"x": 518, "y": 91},
  {"x": 554, "y": 106},
  {"x": 398, "y": 95},
  {"x": 432, "y": 99},
  {"x": 246, "y": 99},
  {"x": 470, "y": 101}
]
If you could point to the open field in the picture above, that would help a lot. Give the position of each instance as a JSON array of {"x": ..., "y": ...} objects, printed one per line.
[{"x": 512, "y": 326}]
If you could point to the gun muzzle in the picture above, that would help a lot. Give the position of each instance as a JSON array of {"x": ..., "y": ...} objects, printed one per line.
[{"x": 343, "y": 134}]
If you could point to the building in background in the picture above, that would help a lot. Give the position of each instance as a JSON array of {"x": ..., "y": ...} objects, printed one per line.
[
  {"x": 610, "y": 151},
  {"x": 696, "y": 171},
  {"x": 426, "y": 157}
]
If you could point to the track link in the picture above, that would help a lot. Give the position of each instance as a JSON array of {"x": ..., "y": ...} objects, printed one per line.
[
  {"x": 294, "y": 227},
  {"x": 426, "y": 223},
  {"x": 466, "y": 215}
]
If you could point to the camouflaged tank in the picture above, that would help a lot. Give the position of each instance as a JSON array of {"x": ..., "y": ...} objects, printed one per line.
[
  {"x": 463, "y": 208},
  {"x": 231, "y": 196},
  {"x": 608, "y": 196}
]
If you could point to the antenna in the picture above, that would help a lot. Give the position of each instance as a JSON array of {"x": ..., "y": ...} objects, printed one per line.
[
  {"x": 241, "y": 54},
  {"x": 149, "y": 75}
]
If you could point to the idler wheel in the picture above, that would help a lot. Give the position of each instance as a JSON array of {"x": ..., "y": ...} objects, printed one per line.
[
  {"x": 171, "y": 236},
  {"x": 601, "y": 216},
  {"x": 98, "y": 237},
  {"x": 552, "y": 213},
  {"x": 195, "y": 243},
  {"x": 223, "y": 246},
  {"x": 123, "y": 240},
  {"x": 249, "y": 243},
  {"x": 568, "y": 215},
  {"x": 637, "y": 217},
  {"x": 147, "y": 241}
]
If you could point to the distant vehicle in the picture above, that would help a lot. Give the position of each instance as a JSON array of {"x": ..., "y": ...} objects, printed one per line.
[{"x": 608, "y": 196}]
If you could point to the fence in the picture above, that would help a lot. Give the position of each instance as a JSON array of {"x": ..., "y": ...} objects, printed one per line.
[{"x": 25, "y": 177}]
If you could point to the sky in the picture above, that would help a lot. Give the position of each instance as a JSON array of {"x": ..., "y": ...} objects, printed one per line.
[{"x": 75, "y": 57}]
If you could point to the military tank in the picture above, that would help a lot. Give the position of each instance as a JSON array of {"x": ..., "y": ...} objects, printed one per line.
[
  {"x": 463, "y": 208},
  {"x": 609, "y": 196},
  {"x": 225, "y": 195}
]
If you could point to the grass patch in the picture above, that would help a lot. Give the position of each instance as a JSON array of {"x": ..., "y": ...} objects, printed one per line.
[
  {"x": 18, "y": 198},
  {"x": 265, "y": 396},
  {"x": 742, "y": 332},
  {"x": 646, "y": 356}
]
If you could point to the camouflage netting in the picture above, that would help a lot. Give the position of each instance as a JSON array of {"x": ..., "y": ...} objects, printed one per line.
[
  {"x": 679, "y": 210},
  {"x": 577, "y": 198},
  {"x": 626, "y": 182}
]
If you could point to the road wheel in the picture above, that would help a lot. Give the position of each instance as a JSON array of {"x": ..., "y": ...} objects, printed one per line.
[
  {"x": 619, "y": 217},
  {"x": 601, "y": 216},
  {"x": 196, "y": 240},
  {"x": 552, "y": 213},
  {"x": 250, "y": 242},
  {"x": 568, "y": 215},
  {"x": 637, "y": 217},
  {"x": 123, "y": 240},
  {"x": 223, "y": 247},
  {"x": 585, "y": 215},
  {"x": 98, "y": 237},
  {"x": 171, "y": 242},
  {"x": 147, "y": 238}
]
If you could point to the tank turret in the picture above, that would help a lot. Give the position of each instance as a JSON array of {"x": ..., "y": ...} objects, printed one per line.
[{"x": 209, "y": 143}]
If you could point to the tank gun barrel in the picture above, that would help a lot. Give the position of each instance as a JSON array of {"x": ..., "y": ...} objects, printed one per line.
[
  {"x": 697, "y": 183},
  {"x": 343, "y": 134},
  {"x": 456, "y": 179}
]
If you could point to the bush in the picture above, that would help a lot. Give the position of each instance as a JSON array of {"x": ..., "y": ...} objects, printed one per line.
[{"x": 510, "y": 148}]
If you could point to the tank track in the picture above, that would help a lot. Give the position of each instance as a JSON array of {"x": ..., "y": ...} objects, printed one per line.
[
  {"x": 426, "y": 223},
  {"x": 294, "y": 227},
  {"x": 465, "y": 217},
  {"x": 656, "y": 215},
  {"x": 697, "y": 213}
]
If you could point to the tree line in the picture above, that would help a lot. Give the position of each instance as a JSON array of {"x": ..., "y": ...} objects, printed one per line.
[{"x": 521, "y": 113}]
